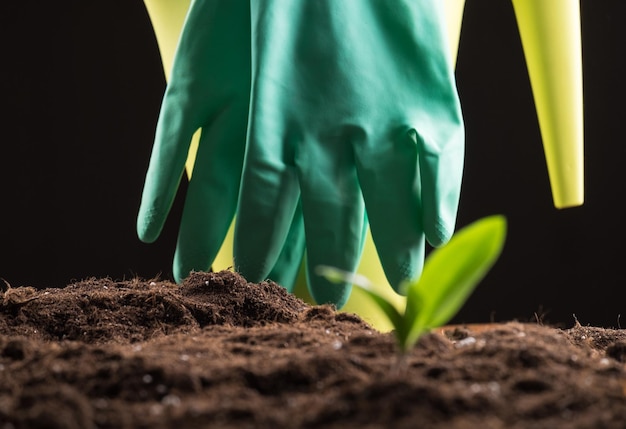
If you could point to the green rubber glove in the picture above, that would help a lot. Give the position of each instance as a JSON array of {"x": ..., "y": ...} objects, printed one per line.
[
  {"x": 353, "y": 107},
  {"x": 208, "y": 88}
]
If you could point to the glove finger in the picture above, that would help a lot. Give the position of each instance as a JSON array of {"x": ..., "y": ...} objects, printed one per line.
[
  {"x": 334, "y": 293},
  {"x": 441, "y": 172},
  {"x": 438, "y": 125},
  {"x": 287, "y": 267},
  {"x": 212, "y": 193},
  {"x": 267, "y": 203},
  {"x": 207, "y": 75},
  {"x": 333, "y": 211},
  {"x": 165, "y": 171},
  {"x": 389, "y": 178}
]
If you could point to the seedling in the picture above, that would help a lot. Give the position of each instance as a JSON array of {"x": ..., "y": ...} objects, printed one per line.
[{"x": 450, "y": 275}]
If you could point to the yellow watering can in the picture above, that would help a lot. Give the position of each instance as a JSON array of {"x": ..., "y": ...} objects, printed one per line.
[{"x": 551, "y": 39}]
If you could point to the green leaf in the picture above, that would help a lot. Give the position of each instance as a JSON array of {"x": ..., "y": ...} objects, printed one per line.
[
  {"x": 452, "y": 272},
  {"x": 335, "y": 275}
]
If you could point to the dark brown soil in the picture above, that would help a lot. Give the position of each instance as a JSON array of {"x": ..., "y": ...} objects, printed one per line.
[{"x": 219, "y": 352}]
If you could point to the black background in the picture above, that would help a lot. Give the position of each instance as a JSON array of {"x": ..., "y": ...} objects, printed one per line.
[{"x": 81, "y": 87}]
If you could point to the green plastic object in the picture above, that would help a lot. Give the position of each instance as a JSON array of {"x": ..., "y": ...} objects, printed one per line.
[
  {"x": 342, "y": 108},
  {"x": 354, "y": 109},
  {"x": 208, "y": 88}
]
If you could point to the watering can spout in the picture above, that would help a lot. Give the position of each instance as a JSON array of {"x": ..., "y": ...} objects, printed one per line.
[{"x": 550, "y": 32}]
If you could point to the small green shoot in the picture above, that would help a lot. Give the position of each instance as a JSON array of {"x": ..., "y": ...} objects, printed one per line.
[{"x": 450, "y": 275}]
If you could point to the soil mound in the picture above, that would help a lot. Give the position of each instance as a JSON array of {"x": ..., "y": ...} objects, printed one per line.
[{"x": 220, "y": 352}]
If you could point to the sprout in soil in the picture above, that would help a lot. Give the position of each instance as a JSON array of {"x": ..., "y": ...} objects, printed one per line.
[{"x": 450, "y": 274}]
